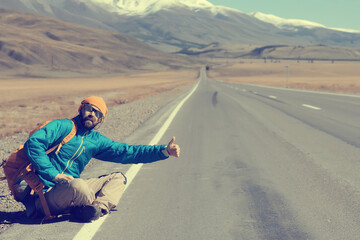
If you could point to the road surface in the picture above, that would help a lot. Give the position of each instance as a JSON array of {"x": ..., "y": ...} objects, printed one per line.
[{"x": 256, "y": 163}]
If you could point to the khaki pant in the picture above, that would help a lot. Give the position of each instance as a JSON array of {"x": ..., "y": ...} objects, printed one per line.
[{"x": 104, "y": 191}]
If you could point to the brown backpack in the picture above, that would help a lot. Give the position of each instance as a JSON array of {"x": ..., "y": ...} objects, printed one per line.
[{"x": 17, "y": 167}]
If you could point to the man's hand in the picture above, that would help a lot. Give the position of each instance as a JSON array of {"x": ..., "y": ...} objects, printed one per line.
[
  {"x": 63, "y": 177},
  {"x": 173, "y": 149}
]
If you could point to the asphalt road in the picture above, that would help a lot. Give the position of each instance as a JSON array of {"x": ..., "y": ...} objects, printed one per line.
[{"x": 256, "y": 163}]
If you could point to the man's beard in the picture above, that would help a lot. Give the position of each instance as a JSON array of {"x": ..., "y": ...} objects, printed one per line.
[{"x": 88, "y": 122}]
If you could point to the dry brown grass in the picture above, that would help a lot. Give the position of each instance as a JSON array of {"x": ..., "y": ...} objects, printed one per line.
[
  {"x": 339, "y": 77},
  {"x": 26, "y": 102},
  {"x": 29, "y": 101}
]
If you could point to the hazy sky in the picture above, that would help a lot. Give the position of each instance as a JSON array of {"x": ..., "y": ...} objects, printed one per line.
[{"x": 331, "y": 13}]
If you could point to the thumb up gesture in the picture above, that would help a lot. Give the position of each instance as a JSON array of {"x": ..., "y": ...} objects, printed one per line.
[{"x": 173, "y": 149}]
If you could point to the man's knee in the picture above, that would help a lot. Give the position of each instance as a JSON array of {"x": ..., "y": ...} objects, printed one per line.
[
  {"x": 119, "y": 176},
  {"x": 78, "y": 185},
  {"x": 116, "y": 176},
  {"x": 82, "y": 192}
]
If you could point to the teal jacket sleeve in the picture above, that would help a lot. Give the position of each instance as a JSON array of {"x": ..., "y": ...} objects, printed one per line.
[
  {"x": 43, "y": 139},
  {"x": 128, "y": 154}
]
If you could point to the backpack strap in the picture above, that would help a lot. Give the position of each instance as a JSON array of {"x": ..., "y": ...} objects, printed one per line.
[
  {"x": 65, "y": 140},
  {"x": 45, "y": 206},
  {"x": 29, "y": 175}
]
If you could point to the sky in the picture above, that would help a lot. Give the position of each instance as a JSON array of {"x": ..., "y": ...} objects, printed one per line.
[{"x": 331, "y": 13}]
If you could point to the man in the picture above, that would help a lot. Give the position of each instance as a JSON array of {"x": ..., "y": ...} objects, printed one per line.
[{"x": 60, "y": 171}]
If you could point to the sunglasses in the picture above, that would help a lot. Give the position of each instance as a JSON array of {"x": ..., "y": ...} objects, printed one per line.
[{"x": 89, "y": 108}]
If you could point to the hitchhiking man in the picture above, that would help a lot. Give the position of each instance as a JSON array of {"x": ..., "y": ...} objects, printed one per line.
[{"x": 60, "y": 171}]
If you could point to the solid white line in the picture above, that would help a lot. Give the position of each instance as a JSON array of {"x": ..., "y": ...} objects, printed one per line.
[
  {"x": 89, "y": 229},
  {"x": 312, "y": 107}
]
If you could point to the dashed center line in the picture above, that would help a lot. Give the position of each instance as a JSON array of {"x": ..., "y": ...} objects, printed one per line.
[{"x": 312, "y": 107}]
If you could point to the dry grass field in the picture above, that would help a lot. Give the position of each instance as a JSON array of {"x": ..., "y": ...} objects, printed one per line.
[
  {"x": 338, "y": 76},
  {"x": 26, "y": 102}
]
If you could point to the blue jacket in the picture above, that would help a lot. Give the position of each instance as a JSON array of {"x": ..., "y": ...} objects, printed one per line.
[{"x": 75, "y": 154}]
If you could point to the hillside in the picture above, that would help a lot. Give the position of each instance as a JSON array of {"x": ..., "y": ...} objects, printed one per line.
[
  {"x": 318, "y": 52},
  {"x": 173, "y": 25},
  {"x": 38, "y": 44}
]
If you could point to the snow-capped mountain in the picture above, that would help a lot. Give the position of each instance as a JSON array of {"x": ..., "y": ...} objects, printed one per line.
[
  {"x": 186, "y": 23},
  {"x": 144, "y": 7},
  {"x": 289, "y": 24},
  {"x": 294, "y": 24}
]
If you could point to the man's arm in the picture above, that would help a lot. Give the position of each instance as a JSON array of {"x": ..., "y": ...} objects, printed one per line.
[
  {"x": 132, "y": 154},
  {"x": 37, "y": 145}
]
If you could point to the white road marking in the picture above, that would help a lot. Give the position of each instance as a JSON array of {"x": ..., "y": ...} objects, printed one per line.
[
  {"x": 312, "y": 107},
  {"x": 244, "y": 90},
  {"x": 303, "y": 91},
  {"x": 89, "y": 229},
  {"x": 273, "y": 97}
]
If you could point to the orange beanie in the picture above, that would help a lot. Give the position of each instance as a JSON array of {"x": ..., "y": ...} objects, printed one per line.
[{"x": 97, "y": 102}]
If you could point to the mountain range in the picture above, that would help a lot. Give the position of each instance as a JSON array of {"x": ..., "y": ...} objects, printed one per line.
[
  {"x": 177, "y": 25},
  {"x": 34, "y": 45}
]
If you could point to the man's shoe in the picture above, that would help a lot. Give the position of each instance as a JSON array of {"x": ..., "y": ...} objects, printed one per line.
[
  {"x": 29, "y": 201},
  {"x": 87, "y": 213}
]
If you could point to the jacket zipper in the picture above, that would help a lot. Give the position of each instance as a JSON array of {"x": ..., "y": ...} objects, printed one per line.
[
  {"x": 82, "y": 150},
  {"x": 74, "y": 157}
]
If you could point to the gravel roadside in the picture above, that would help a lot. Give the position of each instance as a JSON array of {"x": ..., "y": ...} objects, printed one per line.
[{"x": 121, "y": 122}]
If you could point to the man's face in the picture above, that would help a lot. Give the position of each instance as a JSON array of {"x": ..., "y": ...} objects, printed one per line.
[{"x": 90, "y": 116}]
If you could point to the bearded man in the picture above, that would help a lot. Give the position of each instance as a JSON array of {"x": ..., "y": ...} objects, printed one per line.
[{"x": 60, "y": 170}]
